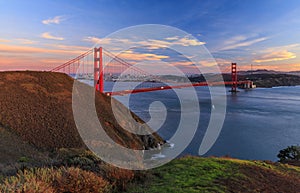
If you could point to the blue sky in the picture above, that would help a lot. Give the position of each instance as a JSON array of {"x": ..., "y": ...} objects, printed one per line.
[{"x": 39, "y": 34}]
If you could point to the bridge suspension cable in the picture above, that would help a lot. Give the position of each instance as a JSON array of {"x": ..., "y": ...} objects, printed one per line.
[{"x": 101, "y": 65}]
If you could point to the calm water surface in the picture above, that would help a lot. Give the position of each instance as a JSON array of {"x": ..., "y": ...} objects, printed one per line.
[{"x": 258, "y": 122}]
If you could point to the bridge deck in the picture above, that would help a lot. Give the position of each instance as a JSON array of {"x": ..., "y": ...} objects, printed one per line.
[{"x": 124, "y": 92}]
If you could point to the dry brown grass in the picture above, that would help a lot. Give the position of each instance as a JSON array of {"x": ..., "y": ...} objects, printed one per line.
[
  {"x": 118, "y": 177},
  {"x": 49, "y": 180},
  {"x": 31, "y": 106},
  {"x": 263, "y": 179},
  {"x": 36, "y": 120},
  {"x": 37, "y": 106}
]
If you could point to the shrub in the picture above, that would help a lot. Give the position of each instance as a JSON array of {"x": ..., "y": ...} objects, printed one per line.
[
  {"x": 24, "y": 159},
  {"x": 119, "y": 177},
  {"x": 55, "y": 180},
  {"x": 78, "y": 158},
  {"x": 77, "y": 180},
  {"x": 28, "y": 181},
  {"x": 291, "y": 153},
  {"x": 33, "y": 186}
]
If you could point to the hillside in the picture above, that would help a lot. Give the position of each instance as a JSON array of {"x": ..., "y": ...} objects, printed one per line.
[
  {"x": 195, "y": 174},
  {"x": 39, "y": 140},
  {"x": 12, "y": 148},
  {"x": 260, "y": 78},
  {"x": 36, "y": 115},
  {"x": 273, "y": 80}
]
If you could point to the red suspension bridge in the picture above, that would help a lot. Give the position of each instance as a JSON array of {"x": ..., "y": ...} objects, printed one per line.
[{"x": 101, "y": 65}]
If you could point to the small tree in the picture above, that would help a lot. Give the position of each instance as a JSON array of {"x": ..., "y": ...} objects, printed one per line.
[{"x": 291, "y": 153}]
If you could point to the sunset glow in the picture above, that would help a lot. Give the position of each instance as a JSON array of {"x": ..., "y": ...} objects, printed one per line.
[{"x": 37, "y": 36}]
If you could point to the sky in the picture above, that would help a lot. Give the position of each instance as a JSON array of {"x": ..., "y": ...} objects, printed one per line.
[{"x": 38, "y": 35}]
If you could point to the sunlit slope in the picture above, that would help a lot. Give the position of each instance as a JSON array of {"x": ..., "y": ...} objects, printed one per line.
[
  {"x": 195, "y": 174},
  {"x": 37, "y": 107}
]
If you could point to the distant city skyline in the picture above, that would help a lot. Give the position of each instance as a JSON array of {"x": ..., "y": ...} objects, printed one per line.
[{"x": 38, "y": 35}]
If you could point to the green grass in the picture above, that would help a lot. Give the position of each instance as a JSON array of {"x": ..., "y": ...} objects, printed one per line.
[
  {"x": 190, "y": 174},
  {"x": 79, "y": 169},
  {"x": 196, "y": 174}
]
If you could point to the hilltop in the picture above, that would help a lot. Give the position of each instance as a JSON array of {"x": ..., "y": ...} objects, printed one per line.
[
  {"x": 196, "y": 174},
  {"x": 36, "y": 115}
]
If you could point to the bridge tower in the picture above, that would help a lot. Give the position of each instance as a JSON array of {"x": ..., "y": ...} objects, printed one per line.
[
  {"x": 98, "y": 69},
  {"x": 234, "y": 77}
]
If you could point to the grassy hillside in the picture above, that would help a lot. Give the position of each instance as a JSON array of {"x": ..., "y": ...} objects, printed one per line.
[
  {"x": 36, "y": 120},
  {"x": 188, "y": 174},
  {"x": 13, "y": 149},
  {"x": 37, "y": 106},
  {"x": 195, "y": 174},
  {"x": 41, "y": 150}
]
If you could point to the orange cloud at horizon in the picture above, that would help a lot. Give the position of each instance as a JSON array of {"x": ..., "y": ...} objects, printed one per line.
[
  {"x": 15, "y": 57},
  {"x": 25, "y": 57},
  {"x": 28, "y": 63},
  {"x": 275, "y": 56},
  {"x": 281, "y": 67}
]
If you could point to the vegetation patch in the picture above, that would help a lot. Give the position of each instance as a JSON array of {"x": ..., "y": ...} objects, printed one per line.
[
  {"x": 55, "y": 180},
  {"x": 190, "y": 174},
  {"x": 38, "y": 109},
  {"x": 195, "y": 174}
]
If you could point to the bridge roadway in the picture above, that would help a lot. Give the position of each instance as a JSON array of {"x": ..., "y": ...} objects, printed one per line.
[{"x": 124, "y": 92}]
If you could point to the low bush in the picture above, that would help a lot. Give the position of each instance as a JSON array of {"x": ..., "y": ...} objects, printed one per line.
[
  {"x": 291, "y": 153},
  {"x": 118, "y": 177},
  {"x": 77, "y": 180},
  {"x": 55, "y": 180}
]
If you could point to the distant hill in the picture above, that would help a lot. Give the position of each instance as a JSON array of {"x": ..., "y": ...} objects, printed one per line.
[
  {"x": 294, "y": 73},
  {"x": 272, "y": 80},
  {"x": 265, "y": 71},
  {"x": 36, "y": 114},
  {"x": 261, "y": 78},
  {"x": 259, "y": 71}
]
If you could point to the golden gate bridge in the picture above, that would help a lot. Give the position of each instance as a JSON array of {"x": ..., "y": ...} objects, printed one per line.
[{"x": 99, "y": 65}]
